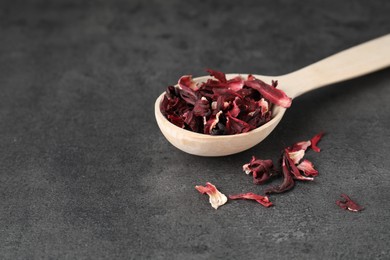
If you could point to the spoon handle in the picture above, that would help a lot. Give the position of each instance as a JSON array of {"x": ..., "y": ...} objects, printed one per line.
[{"x": 353, "y": 62}]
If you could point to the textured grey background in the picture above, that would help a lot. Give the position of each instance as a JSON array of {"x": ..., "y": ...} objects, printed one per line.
[{"x": 86, "y": 174}]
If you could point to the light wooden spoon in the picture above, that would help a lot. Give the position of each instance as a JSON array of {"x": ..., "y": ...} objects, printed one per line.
[{"x": 354, "y": 62}]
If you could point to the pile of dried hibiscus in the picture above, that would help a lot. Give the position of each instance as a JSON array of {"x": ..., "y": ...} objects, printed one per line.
[
  {"x": 293, "y": 167},
  {"x": 220, "y": 106}
]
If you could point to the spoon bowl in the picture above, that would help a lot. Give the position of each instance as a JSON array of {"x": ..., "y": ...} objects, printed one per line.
[
  {"x": 354, "y": 62},
  {"x": 215, "y": 145}
]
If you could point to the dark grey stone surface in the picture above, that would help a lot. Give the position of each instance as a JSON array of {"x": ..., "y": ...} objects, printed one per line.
[{"x": 86, "y": 173}]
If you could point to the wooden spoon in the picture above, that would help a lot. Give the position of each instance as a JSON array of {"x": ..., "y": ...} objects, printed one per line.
[{"x": 354, "y": 62}]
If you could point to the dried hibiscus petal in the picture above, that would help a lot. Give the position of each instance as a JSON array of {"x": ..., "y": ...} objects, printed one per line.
[
  {"x": 235, "y": 83},
  {"x": 235, "y": 125},
  {"x": 193, "y": 122},
  {"x": 348, "y": 204},
  {"x": 244, "y": 104},
  {"x": 218, "y": 75},
  {"x": 288, "y": 182},
  {"x": 308, "y": 168},
  {"x": 212, "y": 123},
  {"x": 186, "y": 83},
  {"x": 262, "y": 170},
  {"x": 293, "y": 169},
  {"x": 314, "y": 141},
  {"x": 296, "y": 156},
  {"x": 188, "y": 88},
  {"x": 202, "y": 107},
  {"x": 235, "y": 111},
  {"x": 263, "y": 200},
  {"x": 176, "y": 120},
  {"x": 216, "y": 197},
  {"x": 297, "y": 151},
  {"x": 269, "y": 92},
  {"x": 264, "y": 106}
]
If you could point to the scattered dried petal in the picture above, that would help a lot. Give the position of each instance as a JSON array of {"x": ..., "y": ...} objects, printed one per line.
[
  {"x": 297, "y": 151},
  {"x": 263, "y": 200},
  {"x": 216, "y": 197},
  {"x": 293, "y": 169},
  {"x": 296, "y": 156},
  {"x": 308, "y": 168},
  {"x": 300, "y": 146},
  {"x": 262, "y": 170},
  {"x": 288, "y": 182},
  {"x": 314, "y": 142},
  {"x": 348, "y": 204}
]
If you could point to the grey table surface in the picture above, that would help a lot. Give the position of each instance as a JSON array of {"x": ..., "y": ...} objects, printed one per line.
[{"x": 86, "y": 173}]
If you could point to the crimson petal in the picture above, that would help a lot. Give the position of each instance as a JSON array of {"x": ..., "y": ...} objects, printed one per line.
[
  {"x": 202, "y": 107},
  {"x": 235, "y": 83},
  {"x": 235, "y": 125},
  {"x": 274, "y": 95},
  {"x": 348, "y": 204},
  {"x": 263, "y": 200},
  {"x": 314, "y": 141},
  {"x": 308, "y": 168},
  {"x": 288, "y": 182},
  {"x": 262, "y": 170},
  {"x": 218, "y": 75},
  {"x": 293, "y": 169},
  {"x": 216, "y": 197}
]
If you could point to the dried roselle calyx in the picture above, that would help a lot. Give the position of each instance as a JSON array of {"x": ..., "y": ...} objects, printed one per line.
[
  {"x": 217, "y": 199},
  {"x": 314, "y": 141},
  {"x": 202, "y": 107},
  {"x": 293, "y": 169},
  {"x": 294, "y": 166},
  {"x": 263, "y": 200},
  {"x": 236, "y": 126},
  {"x": 172, "y": 92},
  {"x": 295, "y": 156},
  {"x": 212, "y": 123},
  {"x": 218, "y": 75},
  {"x": 245, "y": 103},
  {"x": 262, "y": 170},
  {"x": 269, "y": 92},
  {"x": 297, "y": 151},
  {"x": 288, "y": 182},
  {"x": 348, "y": 204},
  {"x": 307, "y": 168},
  {"x": 186, "y": 83}
]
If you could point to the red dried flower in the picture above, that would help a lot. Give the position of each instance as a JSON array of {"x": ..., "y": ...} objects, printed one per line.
[
  {"x": 348, "y": 204},
  {"x": 262, "y": 170},
  {"x": 243, "y": 104},
  {"x": 263, "y": 200},
  {"x": 288, "y": 182},
  {"x": 297, "y": 151},
  {"x": 308, "y": 168},
  {"x": 314, "y": 141},
  {"x": 269, "y": 92},
  {"x": 292, "y": 167},
  {"x": 216, "y": 197}
]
